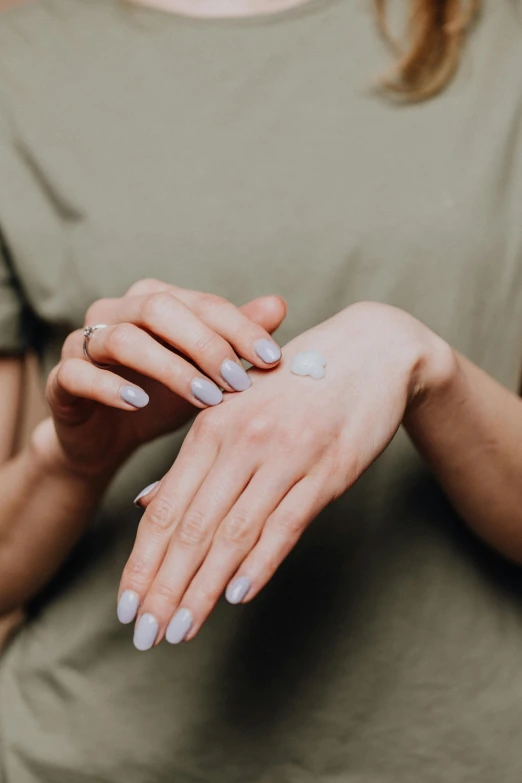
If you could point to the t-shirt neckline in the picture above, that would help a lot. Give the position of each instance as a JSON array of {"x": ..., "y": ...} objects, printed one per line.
[{"x": 271, "y": 17}]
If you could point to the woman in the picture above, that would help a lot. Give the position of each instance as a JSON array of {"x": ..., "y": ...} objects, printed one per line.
[{"x": 150, "y": 154}]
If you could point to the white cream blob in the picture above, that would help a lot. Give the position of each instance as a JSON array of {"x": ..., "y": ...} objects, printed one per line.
[{"x": 309, "y": 363}]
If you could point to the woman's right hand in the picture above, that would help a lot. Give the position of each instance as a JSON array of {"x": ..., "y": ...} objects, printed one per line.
[{"x": 165, "y": 344}]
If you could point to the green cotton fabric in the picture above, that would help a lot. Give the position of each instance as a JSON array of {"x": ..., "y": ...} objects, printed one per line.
[{"x": 247, "y": 157}]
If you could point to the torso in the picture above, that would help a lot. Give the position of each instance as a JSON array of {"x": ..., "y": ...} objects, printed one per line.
[{"x": 247, "y": 156}]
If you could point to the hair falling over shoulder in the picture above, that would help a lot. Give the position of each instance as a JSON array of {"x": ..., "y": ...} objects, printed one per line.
[
  {"x": 433, "y": 44},
  {"x": 429, "y": 52}
]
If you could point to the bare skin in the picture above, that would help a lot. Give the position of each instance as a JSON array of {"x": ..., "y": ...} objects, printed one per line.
[
  {"x": 200, "y": 9},
  {"x": 467, "y": 427},
  {"x": 52, "y": 486},
  {"x": 232, "y": 508},
  {"x": 463, "y": 422}
]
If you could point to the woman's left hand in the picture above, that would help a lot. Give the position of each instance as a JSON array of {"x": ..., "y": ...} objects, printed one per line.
[{"x": 255, "y": 471}]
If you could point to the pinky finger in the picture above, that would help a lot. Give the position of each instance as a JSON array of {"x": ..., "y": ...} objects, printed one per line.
[
  {"x": 280, "y": 534},
  {"x": 147, "y": 495},
  {"x": 75, "y": 381}
]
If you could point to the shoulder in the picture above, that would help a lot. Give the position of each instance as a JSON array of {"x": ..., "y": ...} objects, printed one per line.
[
  {"x": 38, "y": 29},
  {"x": 5, "y": 5},
  {"x": 22, "y": 18},
  {"x": 27, "y": 40},
  {"x": 46, "y": 49}
]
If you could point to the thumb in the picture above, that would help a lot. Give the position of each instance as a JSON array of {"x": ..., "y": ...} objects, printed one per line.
[{"x": 267, "y": 311}]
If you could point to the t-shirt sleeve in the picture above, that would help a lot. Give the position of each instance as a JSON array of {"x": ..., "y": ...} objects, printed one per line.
[
  {"x": 13, "y": 334},
  {"x": 18, "y": 330}
]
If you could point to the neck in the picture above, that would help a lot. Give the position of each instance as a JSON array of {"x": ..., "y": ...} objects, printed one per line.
[{"x": 222, "y": 8}]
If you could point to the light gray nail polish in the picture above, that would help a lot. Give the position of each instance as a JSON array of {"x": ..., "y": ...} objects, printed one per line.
[
  {"x": 235, "y": 375},
  {"x": 237, "y": 589},
  {"x": 128, "y": 606},
  {"x": 206, "y": 391},
  {"x": 145, "y": 632},
  {"x": 134, "y": 396},
  {"x": 268, "y": 351},
  {"x": 144, "y": 492},
  {"x": 179, "y": 626}
]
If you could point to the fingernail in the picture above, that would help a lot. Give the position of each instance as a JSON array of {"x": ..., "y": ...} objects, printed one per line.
[
  {"x": 145, "y": 632},
  {"x": 134, "y": 396},
  {"x": 237, "y": 589},
  {"x": 179, "y": 626},
  {"x": 268, "y": 351},
  {"x": 144, "y": 492},
  {"x": 235, "y": 375},
  {"x": 206, "y": 391},
  {"x": 128, "y": 606}
]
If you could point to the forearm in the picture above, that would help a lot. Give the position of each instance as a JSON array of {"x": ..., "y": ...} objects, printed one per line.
[
  {"x": 470, "y": 432},
  {"x": 11, "y": 387},
  {"x": 44, "y": 510}
]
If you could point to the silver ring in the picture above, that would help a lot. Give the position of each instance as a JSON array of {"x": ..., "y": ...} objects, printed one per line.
[{"x": 87, "y": 334}]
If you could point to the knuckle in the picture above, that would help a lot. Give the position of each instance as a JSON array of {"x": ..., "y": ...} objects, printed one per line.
[
  {"x": 257, "y": 429},
  {"x": 290, "y": 525},
  {"x": 237, "y": 529},
  {"x": 208, "y": 595},
  {"x": 96, "y": 310},
  {"x": 243, "y": 333},
  {"x": 118, "y": 338},
  {"x": 207, "y": 425},
  {"x": 289, "y": 440},
  {"x": 137, "y": 571},
  {"x": 192, "y": 529},
  {"x": 145, "y": 286},
  {"x": 208, "y": 301},
  {"x": 206, "y": 341},
  {"x": 161, "y": 589},
  {"x": 159, "y": 515},
  {"x": 156, "y": 306}
]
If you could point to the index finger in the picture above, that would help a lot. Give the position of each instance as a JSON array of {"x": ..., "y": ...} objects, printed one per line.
[
  {"x": 268, "y": 310},
  {"x": 246, "y": 334},
  {"x": 250, "y": 340}
]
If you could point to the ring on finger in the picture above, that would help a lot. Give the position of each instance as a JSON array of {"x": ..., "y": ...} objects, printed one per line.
[{"x": 87, "y": 334}]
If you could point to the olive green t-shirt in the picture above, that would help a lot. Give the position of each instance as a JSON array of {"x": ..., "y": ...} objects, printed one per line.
[{"x": 246, "y": 157}]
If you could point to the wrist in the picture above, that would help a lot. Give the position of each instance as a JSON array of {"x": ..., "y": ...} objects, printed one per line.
[
  {"x": 50, "y": 458},
  {"x": 434, "y": 372},
  {"x": 427, "y": 363}
]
